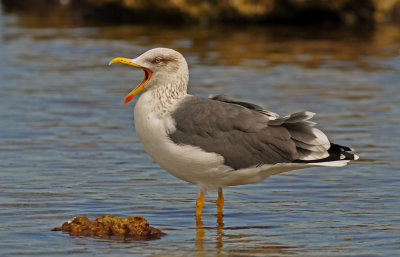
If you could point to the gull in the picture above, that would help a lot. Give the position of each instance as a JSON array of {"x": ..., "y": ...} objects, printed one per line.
[{"x": 219, "y": 142}]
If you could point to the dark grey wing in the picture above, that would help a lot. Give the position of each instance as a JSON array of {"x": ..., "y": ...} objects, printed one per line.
[
  {"x": 247, "y": 136},
  {"x": 312, "y": 144},
  {"x": 238, "y": 133}
]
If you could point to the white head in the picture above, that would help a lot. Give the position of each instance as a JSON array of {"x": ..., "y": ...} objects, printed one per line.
[{"x": 163, "y": 67}]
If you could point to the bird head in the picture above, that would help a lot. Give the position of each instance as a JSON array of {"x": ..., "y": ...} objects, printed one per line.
[{"x": 161, "y": 66}]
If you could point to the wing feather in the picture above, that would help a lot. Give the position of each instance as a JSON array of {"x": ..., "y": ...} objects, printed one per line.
[{"x": 246, "y": 135}]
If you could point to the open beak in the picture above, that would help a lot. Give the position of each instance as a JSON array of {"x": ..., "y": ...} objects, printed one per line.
[{"x": 140, "y": 87}]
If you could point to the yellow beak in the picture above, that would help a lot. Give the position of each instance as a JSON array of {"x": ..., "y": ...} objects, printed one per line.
[{"x": 140, "y": 87}]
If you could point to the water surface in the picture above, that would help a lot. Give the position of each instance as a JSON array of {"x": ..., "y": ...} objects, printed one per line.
[{"x": 68, "y": 146}]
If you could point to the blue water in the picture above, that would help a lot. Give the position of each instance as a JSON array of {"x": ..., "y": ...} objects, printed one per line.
[{"x": 68, "y": 145}]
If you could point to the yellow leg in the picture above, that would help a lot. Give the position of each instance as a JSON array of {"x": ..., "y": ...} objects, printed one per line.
[
  {"x": 199, "y": 204},
  {"x": 220, "y": 201}
]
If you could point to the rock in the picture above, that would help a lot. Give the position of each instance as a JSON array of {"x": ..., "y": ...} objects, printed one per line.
[{"x": 133, "y": 227}]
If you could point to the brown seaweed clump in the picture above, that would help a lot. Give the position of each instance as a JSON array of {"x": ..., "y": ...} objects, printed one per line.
[{"x": 133, "y": 227}]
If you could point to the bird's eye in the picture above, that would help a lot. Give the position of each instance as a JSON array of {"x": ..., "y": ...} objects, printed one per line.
[{"x": 157, "y": 60}]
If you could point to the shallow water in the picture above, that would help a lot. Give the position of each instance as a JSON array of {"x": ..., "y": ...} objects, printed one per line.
[{"x": 68, "y": 146}]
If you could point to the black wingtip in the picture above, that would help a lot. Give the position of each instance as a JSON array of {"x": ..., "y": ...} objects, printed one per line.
[{"x": 336, "y": 153}]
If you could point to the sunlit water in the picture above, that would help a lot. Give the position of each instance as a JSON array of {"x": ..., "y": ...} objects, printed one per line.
[{"x": 68, "y": 145}]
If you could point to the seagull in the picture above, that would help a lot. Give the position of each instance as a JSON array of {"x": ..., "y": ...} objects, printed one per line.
[{"x": 218, "y": 142}]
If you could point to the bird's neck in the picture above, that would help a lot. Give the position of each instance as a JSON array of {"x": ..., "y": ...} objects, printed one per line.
[{"x": 166, "y": 97}]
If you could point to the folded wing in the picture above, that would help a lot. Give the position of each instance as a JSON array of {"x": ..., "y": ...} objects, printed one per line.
[{"x": 246, "y": 135}]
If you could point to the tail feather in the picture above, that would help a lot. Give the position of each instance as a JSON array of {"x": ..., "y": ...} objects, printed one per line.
[{"x": 312, "y": 144}]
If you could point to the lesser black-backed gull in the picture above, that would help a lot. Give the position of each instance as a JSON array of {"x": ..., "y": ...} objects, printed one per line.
[{"x": 218, "y": 142}]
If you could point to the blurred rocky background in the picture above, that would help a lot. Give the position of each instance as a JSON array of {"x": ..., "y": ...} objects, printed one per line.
[{"x": 347, "y": 12}]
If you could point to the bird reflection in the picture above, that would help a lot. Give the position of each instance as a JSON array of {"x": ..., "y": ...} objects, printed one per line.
[
  {"x": 199, "y": 236},
  {"x": 222, "y": 236},
  {"x": 201, "y": 233},
  {"x": 220, "y": 232}
]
